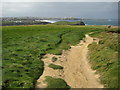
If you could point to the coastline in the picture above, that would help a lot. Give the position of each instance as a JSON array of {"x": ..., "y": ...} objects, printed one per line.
[{"x": 112, "y": 26}]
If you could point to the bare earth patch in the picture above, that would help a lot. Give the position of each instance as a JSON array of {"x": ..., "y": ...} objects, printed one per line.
[{"x": 77, "y": 72}]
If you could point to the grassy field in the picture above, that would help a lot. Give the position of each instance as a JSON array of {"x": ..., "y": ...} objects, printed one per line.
[
  {"x": 104, "y": 57},
  {"x": 24, "y": 46},
  {"x": 56, "y": 83}
]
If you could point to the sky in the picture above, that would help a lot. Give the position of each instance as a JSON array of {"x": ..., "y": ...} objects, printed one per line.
[
  {"x": 38, "y": 8},
  {"x": 59, "y": 0}
]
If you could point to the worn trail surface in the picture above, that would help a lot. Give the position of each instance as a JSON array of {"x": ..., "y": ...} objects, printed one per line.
[{"x": 77, "y": 71}]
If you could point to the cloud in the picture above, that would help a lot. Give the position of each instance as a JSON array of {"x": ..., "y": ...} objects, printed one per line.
[
  {"x": 60, "y": 0},
  {"x": 61, "y": 9},
  {"x": 15, "y": 8},
  {"x": 9, "y": 6}
]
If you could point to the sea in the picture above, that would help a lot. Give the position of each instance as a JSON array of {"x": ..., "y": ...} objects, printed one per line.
[{"x": 112, "y": 22}]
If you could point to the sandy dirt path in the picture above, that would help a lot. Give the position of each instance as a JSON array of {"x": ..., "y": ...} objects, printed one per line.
[
  {"x": 77, "y": 72},
  {"x": 49, "y": 71}
]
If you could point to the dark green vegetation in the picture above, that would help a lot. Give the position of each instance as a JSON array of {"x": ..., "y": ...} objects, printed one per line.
[
  {"x": 54, "y": 59},
  {"x": 24, "y": 46},
  {"x": 55, "y": 66},
  {"x": 69, "y": 23},
  {"x": 104, "y": 57},
  {"x": 56, "y": 83}
]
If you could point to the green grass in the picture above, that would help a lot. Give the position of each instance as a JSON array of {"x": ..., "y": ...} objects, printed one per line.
[
  {"x": 24, "y": 46},
  {"x": 55, "y": 66},
  {"x": 56, "y": 83},
  {"x": 104, "y": 58}
]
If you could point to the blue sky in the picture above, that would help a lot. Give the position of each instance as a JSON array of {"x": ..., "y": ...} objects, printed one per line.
[{"x": 86, "y": 9}]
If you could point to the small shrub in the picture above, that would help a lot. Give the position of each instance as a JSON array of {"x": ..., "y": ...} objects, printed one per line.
[
  {"x": 24, "y": 46},
  {"x": 54, "y": 59}
]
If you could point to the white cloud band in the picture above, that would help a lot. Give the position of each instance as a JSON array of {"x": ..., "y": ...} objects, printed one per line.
[{"x": 60, "y": 0}]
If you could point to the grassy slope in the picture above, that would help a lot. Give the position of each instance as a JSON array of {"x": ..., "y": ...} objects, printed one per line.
[
  {"x": 104, "y": 58},
  {"x": 24, "y": 46}
]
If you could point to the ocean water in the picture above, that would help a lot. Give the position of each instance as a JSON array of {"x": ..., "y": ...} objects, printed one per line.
[{"x": 113, "y": 22}]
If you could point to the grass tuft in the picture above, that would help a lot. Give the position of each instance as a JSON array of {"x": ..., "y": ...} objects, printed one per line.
[
  {"x": 55, "y": 66},
  {"x": 56, "y": 83},
  {"x": 54, "y": 59}
]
